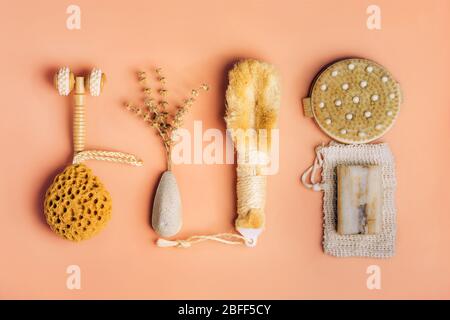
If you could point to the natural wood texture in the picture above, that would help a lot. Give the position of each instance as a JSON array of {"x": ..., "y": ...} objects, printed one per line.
[
  {"x": 79, "y": 119},
  {"x": 360, "y": 199},
  {"x": 81, "y": 85},
  {"x": 307, "y": 109}
]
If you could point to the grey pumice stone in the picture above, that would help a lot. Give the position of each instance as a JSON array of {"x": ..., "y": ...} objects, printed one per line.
[{"x": 166, "y": 215}]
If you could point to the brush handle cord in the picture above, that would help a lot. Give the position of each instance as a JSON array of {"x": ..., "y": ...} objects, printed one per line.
[
  {"x": 251, "y": 193},
  {"x": 225, "y": 238}
]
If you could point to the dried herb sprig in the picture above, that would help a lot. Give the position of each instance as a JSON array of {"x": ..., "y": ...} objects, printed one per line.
[{"x": 155, "y": 112}]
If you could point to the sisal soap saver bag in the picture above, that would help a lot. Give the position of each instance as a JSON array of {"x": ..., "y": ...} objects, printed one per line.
[
  {"x": 355, "y": 101},
  {"x": 329, "y": 158}
]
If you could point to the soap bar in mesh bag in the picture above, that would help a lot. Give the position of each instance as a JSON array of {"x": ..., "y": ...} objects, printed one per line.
[
  {"x": 362, "y": 242},
  {"x": 359, "y": 199}
]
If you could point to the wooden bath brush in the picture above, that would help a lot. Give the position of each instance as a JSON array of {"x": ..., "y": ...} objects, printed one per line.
[
  {"x": 253, "y": 101},
  {"x": 77, "y": 205}
]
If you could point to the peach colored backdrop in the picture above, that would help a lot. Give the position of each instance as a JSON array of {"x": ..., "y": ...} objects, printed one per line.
[{"x": 196, "y": 41}]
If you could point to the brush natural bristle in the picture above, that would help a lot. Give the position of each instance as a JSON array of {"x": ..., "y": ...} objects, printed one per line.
[{"x": 253, "y": 97}]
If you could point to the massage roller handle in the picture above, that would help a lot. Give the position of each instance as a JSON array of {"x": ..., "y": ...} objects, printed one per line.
[{"x": 79, "y": 119}]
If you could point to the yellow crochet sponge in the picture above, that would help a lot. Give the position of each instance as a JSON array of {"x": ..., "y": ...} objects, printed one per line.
[{"x": 77, "y": 206}]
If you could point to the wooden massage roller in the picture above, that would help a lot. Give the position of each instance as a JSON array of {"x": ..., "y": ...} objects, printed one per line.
[{"x": 76, "y": 205}]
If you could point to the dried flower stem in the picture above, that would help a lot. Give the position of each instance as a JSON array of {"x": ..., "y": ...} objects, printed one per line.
[{"x": 156, "y": 114}]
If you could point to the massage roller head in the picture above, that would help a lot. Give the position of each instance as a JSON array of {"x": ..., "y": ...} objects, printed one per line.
[
  {"x": 95, "y": 82},
  {"x": 64, "y": 81}
]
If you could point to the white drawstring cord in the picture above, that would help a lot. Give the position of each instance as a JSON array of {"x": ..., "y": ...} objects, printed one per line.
[
  {"x": 226, "y": 238},
  {"x": 312, "y": 171}
]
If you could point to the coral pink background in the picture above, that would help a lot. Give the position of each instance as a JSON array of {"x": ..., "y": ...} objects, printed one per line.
[{"x": 196, "y": 41}]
